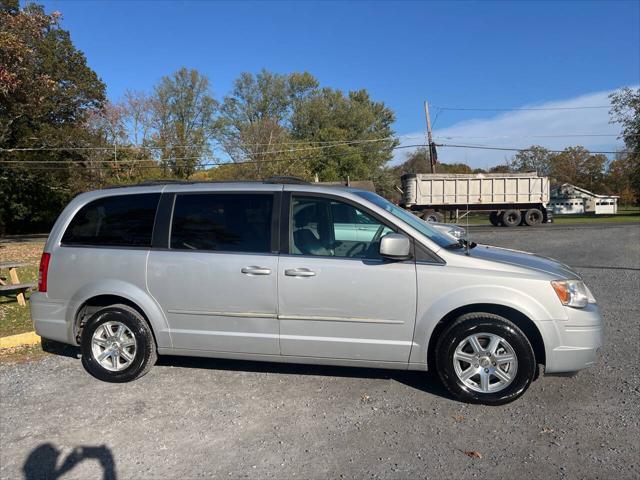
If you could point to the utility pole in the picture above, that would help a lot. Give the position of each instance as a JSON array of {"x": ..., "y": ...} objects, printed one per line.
[{"x": 432, "y": 146}]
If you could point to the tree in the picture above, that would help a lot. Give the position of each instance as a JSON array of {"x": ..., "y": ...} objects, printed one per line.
[
  {"x": 618, "y": 179},
  {"x": 625, "y": 110},
  {"x": 184, "y": 121},
  {"x": 576, "y": 165},
  {"x": 359, "y": 127},
  {"x": 500, "y": 169},
  {"x": 46, "y": 93},
  {"x": 286, "y": 124},
  {"x": 533, "y": 159},
  {"x": 256, "y": 124}
]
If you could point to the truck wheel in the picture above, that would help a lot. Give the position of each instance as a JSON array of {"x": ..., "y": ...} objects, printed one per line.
[
  {"x": 494, "y": 218},
  {"x": 432, "y": 216},
  {"x": 533, "y": 217},
  {"x": 511, "y": 218}
]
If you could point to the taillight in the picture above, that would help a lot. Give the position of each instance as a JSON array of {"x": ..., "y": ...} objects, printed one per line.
[{"x": 42, "y": 272}]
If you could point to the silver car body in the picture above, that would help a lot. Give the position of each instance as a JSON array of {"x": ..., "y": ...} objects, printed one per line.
[{"x": 347, "y": 311}]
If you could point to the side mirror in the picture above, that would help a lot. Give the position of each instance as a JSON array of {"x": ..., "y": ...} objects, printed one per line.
[{"x": 395, "y": 246}]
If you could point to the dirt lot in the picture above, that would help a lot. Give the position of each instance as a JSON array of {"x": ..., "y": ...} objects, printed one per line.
[{"x": 194, "y": 418}]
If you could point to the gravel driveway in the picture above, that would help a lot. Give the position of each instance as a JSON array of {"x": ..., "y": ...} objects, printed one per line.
[{"x": 192, "y": 418}]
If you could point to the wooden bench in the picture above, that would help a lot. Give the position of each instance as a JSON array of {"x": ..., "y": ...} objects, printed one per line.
[{"x": 15, "y": 286}]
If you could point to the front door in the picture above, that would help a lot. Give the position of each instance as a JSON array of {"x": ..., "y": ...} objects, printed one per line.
[
  {"x": 337, "y": 297},
  {"x": 217, "y": 283}
]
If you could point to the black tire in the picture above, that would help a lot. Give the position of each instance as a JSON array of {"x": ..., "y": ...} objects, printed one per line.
[
  {"x": 487, "y": 323},
  {"x": 432, "y": 216},
  {"x": 145, "y": 350},
  {"x": 533, "y": 217},
  {"x": 494, "y": 218},
  {"x": 510, "y": 218}
]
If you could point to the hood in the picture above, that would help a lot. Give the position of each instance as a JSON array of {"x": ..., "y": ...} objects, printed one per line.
[{"x": 525, "y": 260}]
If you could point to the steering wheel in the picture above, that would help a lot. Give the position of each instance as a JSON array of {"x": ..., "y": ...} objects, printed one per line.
[{"x": 363, "y": 245}]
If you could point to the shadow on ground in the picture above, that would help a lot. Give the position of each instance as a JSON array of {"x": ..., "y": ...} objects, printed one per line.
[
  {"x": 423, "y": 381},
  {"x": 61, "y": 349},
  {"x": 42, "y": 462}
]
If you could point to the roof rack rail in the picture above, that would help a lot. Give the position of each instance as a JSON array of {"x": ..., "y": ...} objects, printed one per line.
[
  {"x": 148, "y": 183},
  {"x": 285, "y": 179}
]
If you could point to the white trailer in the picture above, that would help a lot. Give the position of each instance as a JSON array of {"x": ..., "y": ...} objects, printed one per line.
[{"x": 511, "y": 198}]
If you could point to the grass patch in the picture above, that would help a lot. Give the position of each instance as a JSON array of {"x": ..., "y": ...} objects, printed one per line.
[
  {"x": 15, "y": 319},
  {"x": 22, "y": 354}
]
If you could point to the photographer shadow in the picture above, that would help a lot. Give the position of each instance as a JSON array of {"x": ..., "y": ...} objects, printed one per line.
[{"x": 42, "y": 462}]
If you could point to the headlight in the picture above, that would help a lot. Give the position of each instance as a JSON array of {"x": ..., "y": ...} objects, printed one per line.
[{"x": 573, "y": 293}]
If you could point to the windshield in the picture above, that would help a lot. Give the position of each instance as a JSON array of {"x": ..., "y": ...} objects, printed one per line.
[{"x": 408, "y": 217}]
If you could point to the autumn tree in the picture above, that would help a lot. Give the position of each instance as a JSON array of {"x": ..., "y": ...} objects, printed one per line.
[
  {"x": 256, "y": 123},
  {"x": 46, "y": 92},
  {"x": 625, "y": 110},
  {"x": 533, "y": 159},
  {"x": 184, "y": 121},
  {"x": 576, "y": 165},
  {"x": 287, "y": 124}
]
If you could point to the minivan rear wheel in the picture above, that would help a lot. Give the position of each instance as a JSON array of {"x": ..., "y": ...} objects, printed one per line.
[
  {"x": 484, "y": 358},
  {"x": 117, "y": 345}
]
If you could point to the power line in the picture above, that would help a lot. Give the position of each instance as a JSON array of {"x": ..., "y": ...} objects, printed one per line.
[
  {"x": 514, "y": 149},
  {"x": 328, "y": 144},
  {"x": 560, "y": 135},
  {"x": 325, "y": 144},
  {"x": 515, "y": 109},
  {"x": 106, "y": 164}
]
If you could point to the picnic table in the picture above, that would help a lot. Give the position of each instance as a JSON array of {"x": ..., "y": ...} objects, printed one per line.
[{"x": 14, "y": 286}]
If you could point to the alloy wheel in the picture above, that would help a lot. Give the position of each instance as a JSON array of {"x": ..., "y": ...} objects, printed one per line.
[
  {"x": 113, "y": 345},
  {"x": 485, "y": 362}
]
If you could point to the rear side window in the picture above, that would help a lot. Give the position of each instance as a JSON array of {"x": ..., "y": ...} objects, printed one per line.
[
  {"x": 222, "y": 222},
  {"x": 117, "y": 221}
]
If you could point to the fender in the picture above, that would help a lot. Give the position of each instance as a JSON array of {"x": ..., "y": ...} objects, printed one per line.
[
  {"x": 131, "y": 292},
  {"x": 451, "y": 300}
]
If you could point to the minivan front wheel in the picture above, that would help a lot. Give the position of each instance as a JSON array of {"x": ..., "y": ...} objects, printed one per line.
[
  {"x": 117, "y": 345},
  {"x": 485, "y": 358}
]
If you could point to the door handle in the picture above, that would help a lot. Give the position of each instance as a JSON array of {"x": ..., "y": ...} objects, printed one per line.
[
  {"x": 255, "y": 270},
  {"x": 299, "y": 272}
]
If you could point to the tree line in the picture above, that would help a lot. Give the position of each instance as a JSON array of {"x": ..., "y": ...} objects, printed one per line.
[{"x": 60, "y": 135}]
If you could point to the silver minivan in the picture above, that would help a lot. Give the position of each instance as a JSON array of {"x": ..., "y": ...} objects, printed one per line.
[{"x": 295, "y": 272}]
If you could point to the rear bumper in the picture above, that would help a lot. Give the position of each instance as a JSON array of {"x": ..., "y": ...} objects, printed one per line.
[
  {"x": 573, "y": 344},
  {"x": 50, "y": 318}
]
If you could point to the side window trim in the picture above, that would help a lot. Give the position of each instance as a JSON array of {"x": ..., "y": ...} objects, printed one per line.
[
  {"x": 162, "y": 225},
  {"x": 285, "y": 227}
]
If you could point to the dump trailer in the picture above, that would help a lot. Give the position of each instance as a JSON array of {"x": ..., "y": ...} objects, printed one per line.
[{"x": 511, "y": 199}]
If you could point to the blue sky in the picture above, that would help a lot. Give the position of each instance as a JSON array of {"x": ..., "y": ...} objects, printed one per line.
[{"x": 462, "y": 54}]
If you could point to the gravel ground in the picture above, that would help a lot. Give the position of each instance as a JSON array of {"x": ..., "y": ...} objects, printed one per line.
[{"x": 194, "y": 418}]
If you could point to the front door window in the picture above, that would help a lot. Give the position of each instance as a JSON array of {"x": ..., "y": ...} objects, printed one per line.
[{"x": 325, "y": 227}]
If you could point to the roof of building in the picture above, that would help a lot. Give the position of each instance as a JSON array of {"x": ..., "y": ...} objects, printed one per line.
[{"x": 584, "y": 191}]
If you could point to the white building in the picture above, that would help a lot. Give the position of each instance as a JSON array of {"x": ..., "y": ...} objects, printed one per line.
[{"x": 569, "y": 199}]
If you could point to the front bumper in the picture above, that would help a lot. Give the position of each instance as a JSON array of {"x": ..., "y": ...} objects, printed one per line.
[
  {"x": 50, "y": 318},
  {"x": 573, "y": 344}
]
